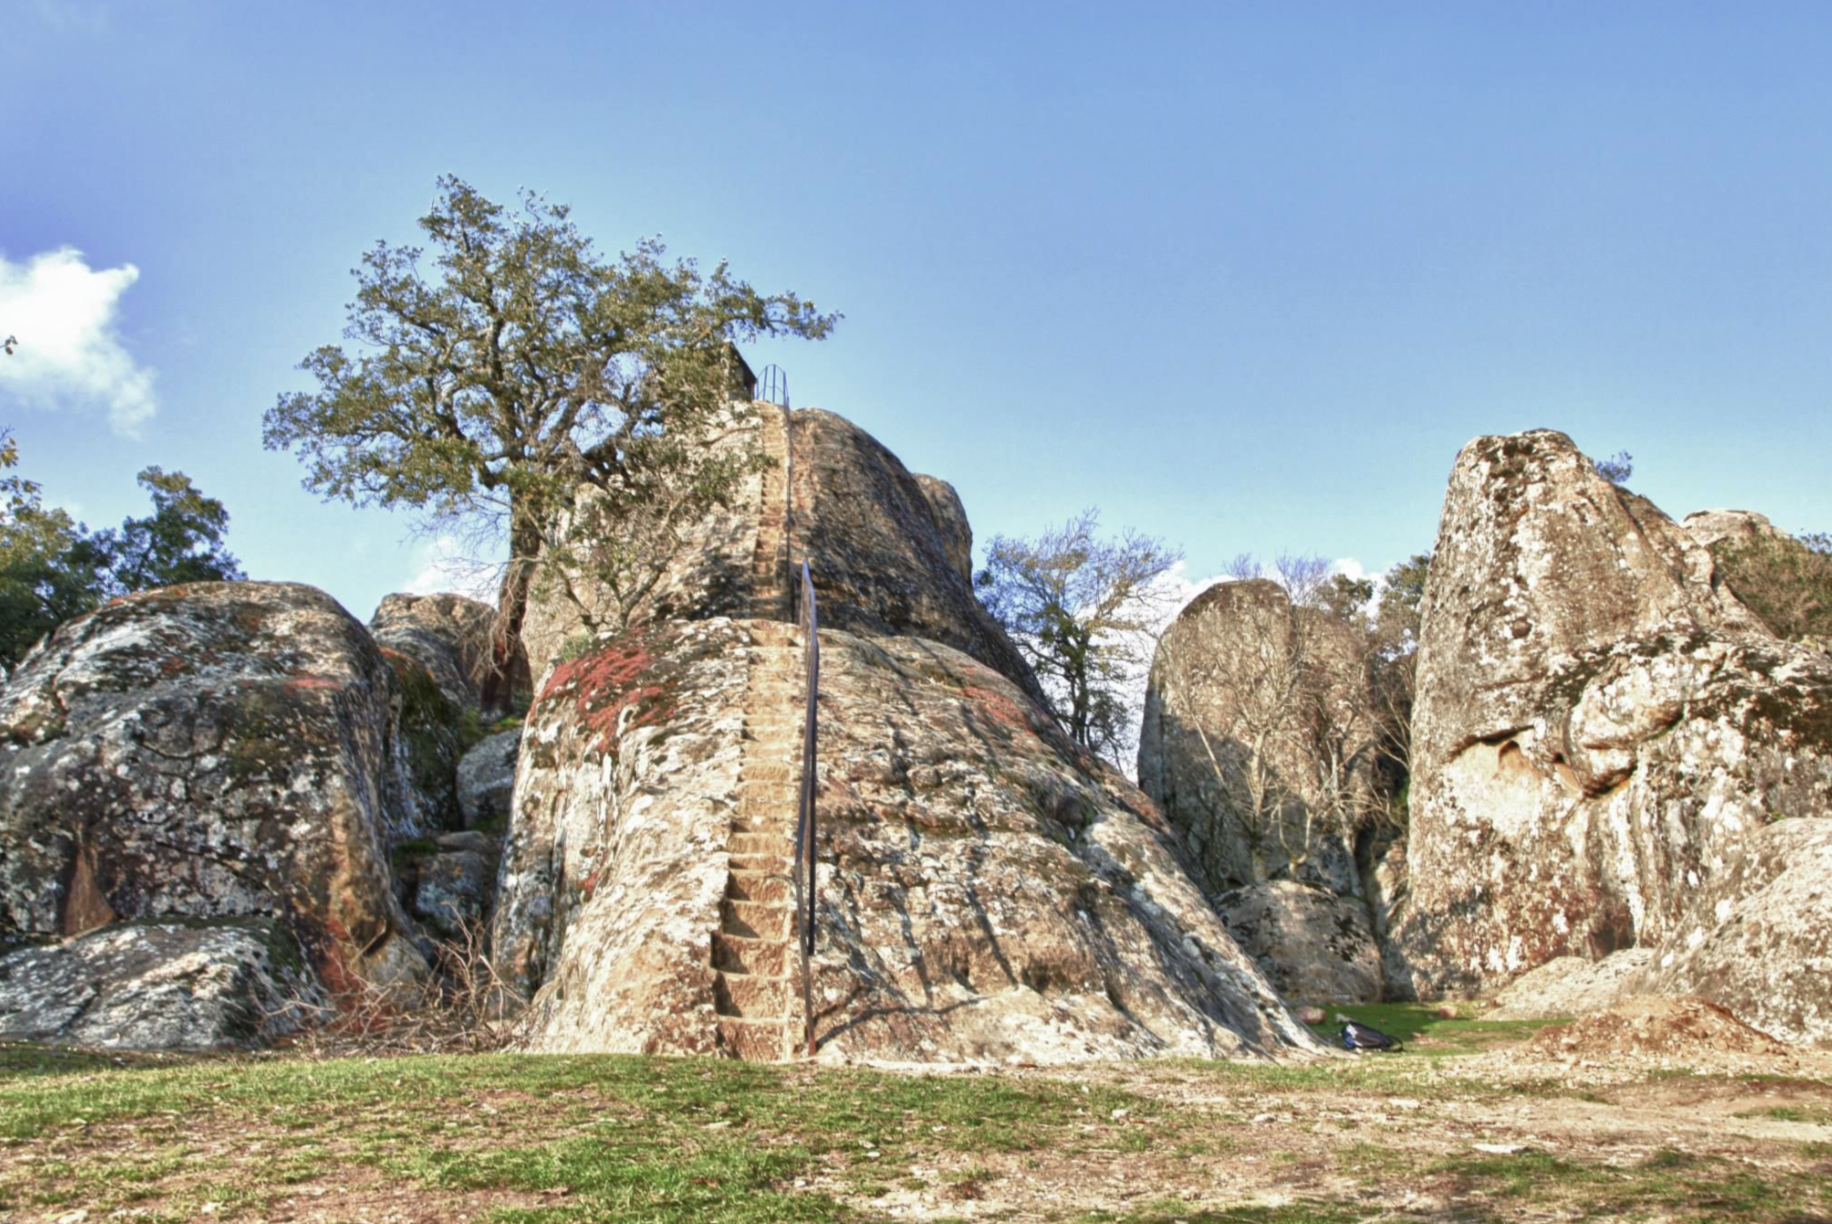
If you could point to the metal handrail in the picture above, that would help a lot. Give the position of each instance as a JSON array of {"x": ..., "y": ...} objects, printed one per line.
[{"x": 804, "y": 823}]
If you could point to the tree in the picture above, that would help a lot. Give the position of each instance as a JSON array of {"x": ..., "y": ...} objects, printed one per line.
[
  {"x": 1085, "y": 611},
  {"x": 523, "y": 369},
  {"x": 52, "y": 568},
  {"x": 1785, "y": 580},
  {"x": 181, "y": 542},
  {"x": 1617, "y": 469}
]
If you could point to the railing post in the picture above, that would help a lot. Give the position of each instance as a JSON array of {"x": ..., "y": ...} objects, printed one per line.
[{"x": 804, "y": 825}]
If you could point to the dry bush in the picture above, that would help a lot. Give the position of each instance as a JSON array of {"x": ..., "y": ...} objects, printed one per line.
[{"x": 467, "y": 1008}]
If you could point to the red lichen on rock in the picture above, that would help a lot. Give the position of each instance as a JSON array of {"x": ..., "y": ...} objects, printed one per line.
[
  {"x": 308, "y": 681},
  {"x": 607, "y": 682}
]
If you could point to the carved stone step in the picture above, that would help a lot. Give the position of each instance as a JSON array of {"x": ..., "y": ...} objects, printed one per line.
[
  {"x": 751, "y": 996},
  {"x": 757, "y": 1040},
  {"x": 756, "y": 919},
  {"x": 737, "y": 954},
  {"x": 766, "y": 843},
  {"x": 767, "y": 887}
]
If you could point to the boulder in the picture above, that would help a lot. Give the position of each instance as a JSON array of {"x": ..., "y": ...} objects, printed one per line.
[
  {"x": 1711, "y": 527},
  {"x": 1568, "y": 986},
  {"x": 439, "y": 647},
  {"x": 1602, "y": 730},
  {"x": 1759, "y": 939},
  {"x": 159, "y": 986},
  {"x": 1230, "y": 750},
  {"x": 951, "y": 520},
  {"x": 219, "y": 750},
  {"x": 885, "y": 547},
  {"x": 986, "y": 892},
  {"x": 452, "y": 890},
  {"x": 704, "y": 569},
  {"x": 1314, "y": 945},
  {"x": 447, "y": 635},
  {"x": 486, "y": 780}
]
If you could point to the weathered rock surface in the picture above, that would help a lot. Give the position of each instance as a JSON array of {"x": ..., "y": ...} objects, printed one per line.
[
  {"x": 439, "y": 647},
  {"x": 1602, "y": 732},
  {"x": 1758, "y": 941},
  {"x": 159, "y": 986},
  {"x": 885, "y": 548},
  {"x": 707, "y": 572},
  {"x": 1228, "y": 750},
  {"x": 448, "y": 635},
  {"x": 1709, "y": 527},
  {"x": 1258, "y": 747},
  {"x": 1568, "y": 986},
  {"x": 1314, "y": 945},
  {"x": 486, "y": 779},
  {"x": 220, "y": 750},
  {"x": 984, "y": 892},
  {"x": 951, "y": 520},
  {"x": 453, "y": 887}
]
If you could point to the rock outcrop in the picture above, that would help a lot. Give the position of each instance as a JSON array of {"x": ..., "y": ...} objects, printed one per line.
[
  {"x": 439, "y": 647},
  {"x": 448, "y": 635},
  {"x": 208, "y": 752},
  {"x": 486, "y": 780},
  {"x": 986, "y": 891},
  {"x": 1710, "y": 527},
  {"x": 159, "y": 986},
  {"x": 1314, "y": 945},
  {"x": 887, "y": 545},
  {"x": 1259, "y": 748},
  {"x": 1603, "y": 733}
]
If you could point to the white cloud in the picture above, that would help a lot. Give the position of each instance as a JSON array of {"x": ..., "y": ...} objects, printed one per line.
[
  {"x": 69, "y": 354},
  {"x": 443, "y": 567}
]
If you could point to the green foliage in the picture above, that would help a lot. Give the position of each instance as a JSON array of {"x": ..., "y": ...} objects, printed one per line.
[
  {"x": 1785, "y": 580},
  {"x": 1618, "y": 468},
  {"x": 182, "y": 541},
  {"x": 1084, "y": 610},
  {"x": 53, "y": 568},
  {"x": 521, "y": 369}
]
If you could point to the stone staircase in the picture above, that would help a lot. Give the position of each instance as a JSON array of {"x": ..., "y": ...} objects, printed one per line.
[
  {"x": 753, "y": 952},
  {"x": 770, "y": 580}
]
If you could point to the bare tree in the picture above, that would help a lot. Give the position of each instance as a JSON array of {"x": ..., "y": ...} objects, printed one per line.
[{"x": 1085, "y": 611}]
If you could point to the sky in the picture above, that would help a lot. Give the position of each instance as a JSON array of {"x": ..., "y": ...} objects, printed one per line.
[{"x": 1242, "y": 276}]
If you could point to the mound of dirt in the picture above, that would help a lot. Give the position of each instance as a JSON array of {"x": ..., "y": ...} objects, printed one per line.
[{"x": 1685, "y": 1029}]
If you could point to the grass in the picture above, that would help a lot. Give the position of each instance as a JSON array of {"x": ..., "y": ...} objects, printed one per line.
[
  {"x": 1428, "y": 1034},
  {"x": 552, "y": 1138}
]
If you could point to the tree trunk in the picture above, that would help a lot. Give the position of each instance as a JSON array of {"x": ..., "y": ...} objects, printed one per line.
[{"x": 507, "y": 683}]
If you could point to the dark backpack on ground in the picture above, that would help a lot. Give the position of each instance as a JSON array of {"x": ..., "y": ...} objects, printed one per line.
[{"x": 1361, "y": 1037}]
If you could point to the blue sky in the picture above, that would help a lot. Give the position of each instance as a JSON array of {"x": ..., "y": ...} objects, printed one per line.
[{"x": 1245, "y": 276}]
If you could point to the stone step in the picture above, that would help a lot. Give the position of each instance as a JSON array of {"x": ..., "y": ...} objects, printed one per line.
[
  {"x": 757, "y": 919},
  {"x": 757, "y": 1040},
  {"x": 766, "y": 887},
  {"x": 751, "y": 996},
  {"x": 761, "y": 843},
  {"x": 738, "y": 954}
]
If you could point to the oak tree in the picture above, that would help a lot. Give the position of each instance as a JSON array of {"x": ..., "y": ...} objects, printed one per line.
[{"x": 505, "y": 371}]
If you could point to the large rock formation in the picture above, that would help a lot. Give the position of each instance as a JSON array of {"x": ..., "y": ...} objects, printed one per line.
[
  {"x": 159, "y": 986},
  {"x": 439, "y": 647},
  {"x": 1259, "y": 748},
  {"x": 448, "y": 635},
  {"x": 1603, "y": 737},
  {"x": 206, "y": 752},
  {"x": 986, "y": 891}
]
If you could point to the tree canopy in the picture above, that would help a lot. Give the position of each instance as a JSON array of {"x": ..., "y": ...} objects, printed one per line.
[
  {"x": 53, "y": 568},
  {"x": 1085, "y": 610},
  {"x": 493, "y": 382}
]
